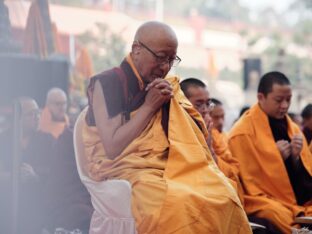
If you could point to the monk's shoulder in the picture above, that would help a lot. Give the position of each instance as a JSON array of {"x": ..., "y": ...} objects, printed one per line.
[
  {"x": 106, "y": 78},
  {"x": 243, "y": 127}
]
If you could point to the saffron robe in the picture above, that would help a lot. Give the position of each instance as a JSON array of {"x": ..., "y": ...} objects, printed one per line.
[
  {"x": 176, "y": 186},
  {"x": 267, "y": 187},
  {"x": 226, "y": 162},
  {"x": 47, "y": 124}
]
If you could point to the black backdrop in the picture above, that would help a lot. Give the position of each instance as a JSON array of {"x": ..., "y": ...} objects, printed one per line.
[{"x": 22, "y": 75}]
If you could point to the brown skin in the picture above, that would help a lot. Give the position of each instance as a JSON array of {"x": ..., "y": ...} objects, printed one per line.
[
  {"x": 308, "y": 123},
  {"x": 217, "y": 116},
  {"x": 276, "y": 104},
  {"x": 115, "y": 135},
  {"x": 161, "y": 39},
  {"x": 57, "y": 104}
]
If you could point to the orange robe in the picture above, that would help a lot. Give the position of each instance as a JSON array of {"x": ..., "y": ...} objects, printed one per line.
[
  {"x": 268, "y": 191},
  {"x": 176, "y": 186},
  {"x": 310, "y": 147},
  {"x": 226, "y": 162},
  {"x": 47, "y": 125}
]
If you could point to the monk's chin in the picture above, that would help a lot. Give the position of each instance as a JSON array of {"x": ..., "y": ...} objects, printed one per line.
[{"x": 58, "y": 119}]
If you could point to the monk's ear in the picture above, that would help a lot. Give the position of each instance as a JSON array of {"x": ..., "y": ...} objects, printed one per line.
[
  {"x": 260, "y": 97},
  {"x": 135, "y": 47}
]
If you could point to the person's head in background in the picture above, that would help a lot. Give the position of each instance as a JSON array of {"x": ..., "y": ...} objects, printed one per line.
[
  {"x": 57, "y": 104},
  {"x": 154, "y": 50},
  {"x": 195, "y": 90},
  {"x": 274, "y": 94},
  {"x": 306, "y": 115},
  {"x": 30, "y": 115},
  {"x": 296, "y": 118},
  {"x": 217, "y": 114}
]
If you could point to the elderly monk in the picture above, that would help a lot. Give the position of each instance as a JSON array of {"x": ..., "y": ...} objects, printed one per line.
[
  {"x": 275, "y": 161},
  {"x": 140, "y": 127},
  {"x": 53, "y": 118},
  {"x": 195, "y": 90}
]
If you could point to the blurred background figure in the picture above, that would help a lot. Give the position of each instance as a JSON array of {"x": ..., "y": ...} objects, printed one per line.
[
  {"x": 54, "y": 118},
  {"x": 296, "y": 118},
  {"x": 306, "y": 115},
  {"x": 217, "y": 114},
  {"x": 36, "y": 152}
]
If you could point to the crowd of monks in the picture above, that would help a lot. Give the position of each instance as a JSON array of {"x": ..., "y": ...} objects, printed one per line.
[
  {"x": 165, "y": 136},
  {"x": 166, "y": 139}
]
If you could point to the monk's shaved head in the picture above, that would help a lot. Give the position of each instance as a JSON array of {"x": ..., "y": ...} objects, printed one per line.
[
  {"x": 57, "y": 104},
  {"x": 154, "y": 50},
  {"x": 152, "y": 30},
  {"x": 55, "y": 94}
]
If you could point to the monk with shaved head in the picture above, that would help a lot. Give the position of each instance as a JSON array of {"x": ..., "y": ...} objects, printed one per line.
[
  {"x": 54, "y": 119},
  {"x": 139, "y": 127}
]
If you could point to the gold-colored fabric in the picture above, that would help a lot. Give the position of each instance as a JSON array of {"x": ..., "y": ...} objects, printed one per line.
[
  {"x": 176, "y": 186},
  {"x": 47, "y": 125},
  {"x": 268, "y": 191},
  {"x": 226, "y": 162}
]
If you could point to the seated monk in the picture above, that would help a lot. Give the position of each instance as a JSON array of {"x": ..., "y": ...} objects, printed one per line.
[
  {"x": 275, "y": 161},
  {"x": 140, "y": 127},
  {"x": 195, "y": 90},
  {"x": 217, "y": 115},
  {"x": 306, "y": 115},
  {"x": 54, "y": 119}
]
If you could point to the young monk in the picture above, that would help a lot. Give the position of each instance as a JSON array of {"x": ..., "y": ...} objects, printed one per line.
[
  {"x": 196, "y": 91},
  {"x": 275, "y": 161}
]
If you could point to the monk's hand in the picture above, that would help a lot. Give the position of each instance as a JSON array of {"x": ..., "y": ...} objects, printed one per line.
[
  {"x": 209, "y": 125},
  {"x": 284, "y": 148},
  {"x": 163, "y": 85},
  {"x": 296, "y": 146},
  {"x": 157, "y": 96}
]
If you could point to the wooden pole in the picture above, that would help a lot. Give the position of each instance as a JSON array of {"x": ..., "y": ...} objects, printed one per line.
[{"x": 17, "y": 132}]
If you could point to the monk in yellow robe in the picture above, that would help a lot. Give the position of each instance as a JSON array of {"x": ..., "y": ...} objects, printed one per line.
[
  {"x": 140, "y": 127},
  {"x": 195, "y": 90},
  {"x": 275, "y": 161},
  {"x": 53, "y": 119}
]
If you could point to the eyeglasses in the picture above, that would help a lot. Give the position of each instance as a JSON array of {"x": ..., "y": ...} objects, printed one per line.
[
  {"x": 161, "y": 60},
  {"x": 209, "y": 105}
]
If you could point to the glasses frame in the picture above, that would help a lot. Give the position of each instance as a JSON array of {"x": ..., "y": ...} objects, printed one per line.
[
  {"x": 161, "y": 60},
  {"x": 209, "y": 105}
]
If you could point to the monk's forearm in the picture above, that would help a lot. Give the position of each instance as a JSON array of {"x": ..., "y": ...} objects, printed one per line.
[{"x": 126, "y": 133}]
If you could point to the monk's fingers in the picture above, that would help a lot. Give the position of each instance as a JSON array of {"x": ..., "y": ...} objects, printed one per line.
[
  {"x": 282, "y": 144},
  {"x": 297, "y": 141},
  {"x": 166, "y": 92},
  {"x": 153, "y": 83},
  {"x": 297, "y": 136},
  {"x": 162, "y": 84}
]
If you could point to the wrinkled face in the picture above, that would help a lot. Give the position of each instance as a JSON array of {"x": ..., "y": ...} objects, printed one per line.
[
  {"x": 217, "y": 116},
  {"x": 58, "y": 107},
  {"x": 30, "y": 116},
  {"x": 152, "y": 58},
  {"x": 199, "y": 97},
  {"x": 276, "y": 103}
]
